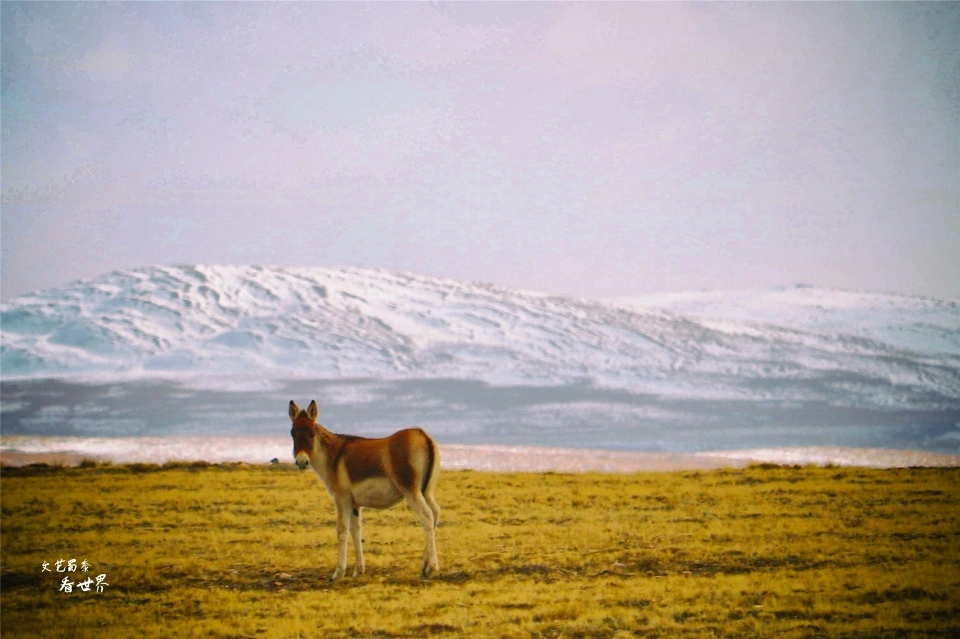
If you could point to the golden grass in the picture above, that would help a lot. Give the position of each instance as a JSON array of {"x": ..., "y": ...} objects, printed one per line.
[{"x": 239, "y": 551}]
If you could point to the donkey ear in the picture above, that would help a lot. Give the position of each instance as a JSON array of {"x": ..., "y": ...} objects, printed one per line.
[
  {"x": 294, "y": 410},
  {"x": 312, "y": 410}
]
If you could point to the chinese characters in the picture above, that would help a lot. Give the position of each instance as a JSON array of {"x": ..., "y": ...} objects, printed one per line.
[
  {"x": 70, "y": 566},
  {"x": 67, "y": 586}
]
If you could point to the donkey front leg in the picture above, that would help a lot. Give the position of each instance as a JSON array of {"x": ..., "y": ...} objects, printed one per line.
[{"x": 343, "y": 531}]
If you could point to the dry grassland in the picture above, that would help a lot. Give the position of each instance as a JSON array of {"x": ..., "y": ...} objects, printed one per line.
[{"x": 239, "y": 551}]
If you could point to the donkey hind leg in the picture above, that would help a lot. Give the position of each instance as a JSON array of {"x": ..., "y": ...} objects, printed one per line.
[
  {"x": 425, "y": 514},
  {"x": 434, "y": 506},
  {"x": 356, "y": 531}
]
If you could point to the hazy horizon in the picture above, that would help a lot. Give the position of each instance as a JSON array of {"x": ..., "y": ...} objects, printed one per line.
[{"x": 593, "y": 150}]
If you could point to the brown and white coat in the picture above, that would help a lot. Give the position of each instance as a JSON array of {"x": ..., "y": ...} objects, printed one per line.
[{"x": 370, "y": 473}]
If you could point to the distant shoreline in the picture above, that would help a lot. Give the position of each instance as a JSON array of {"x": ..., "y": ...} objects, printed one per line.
[{"x": 65, "y": 451}]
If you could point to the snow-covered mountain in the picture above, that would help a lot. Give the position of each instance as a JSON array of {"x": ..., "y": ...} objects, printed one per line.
[{"x": 797, "y": 344}]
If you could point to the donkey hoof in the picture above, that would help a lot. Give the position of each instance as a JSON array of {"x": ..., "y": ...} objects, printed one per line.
[{"x": 426, "y": 571}]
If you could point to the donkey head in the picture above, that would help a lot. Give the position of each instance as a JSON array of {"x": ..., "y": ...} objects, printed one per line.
[{"x": 304, "y": 433}]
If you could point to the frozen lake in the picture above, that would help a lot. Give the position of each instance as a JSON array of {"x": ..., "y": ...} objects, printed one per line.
[{"x": 458, "y": 412}]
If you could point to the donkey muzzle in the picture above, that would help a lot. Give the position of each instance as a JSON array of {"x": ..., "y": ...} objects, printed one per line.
[{"x": 302, "y": 461}]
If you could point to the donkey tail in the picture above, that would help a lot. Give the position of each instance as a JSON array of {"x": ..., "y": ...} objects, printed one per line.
[{"x": 433, "y": 466}]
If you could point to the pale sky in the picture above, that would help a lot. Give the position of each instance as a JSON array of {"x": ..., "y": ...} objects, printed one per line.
[{"x": 585, "y": 149}]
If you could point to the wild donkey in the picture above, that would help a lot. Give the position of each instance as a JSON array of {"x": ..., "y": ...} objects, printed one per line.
[{"x": 374, "y": 473}]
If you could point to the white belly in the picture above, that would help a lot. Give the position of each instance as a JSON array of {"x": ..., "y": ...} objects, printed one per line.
[{"x": 376, "y": 493}]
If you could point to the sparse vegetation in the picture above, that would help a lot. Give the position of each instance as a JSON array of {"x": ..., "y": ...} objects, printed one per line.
[{"x": 238, "y": 551}]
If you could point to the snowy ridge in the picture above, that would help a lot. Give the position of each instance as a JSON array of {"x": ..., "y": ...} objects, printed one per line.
[{"x": 246, "y": 322}]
